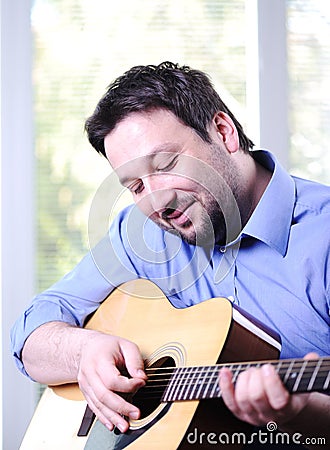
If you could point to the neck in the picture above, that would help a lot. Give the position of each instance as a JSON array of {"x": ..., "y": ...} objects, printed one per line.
[{"x": 257, "y": 180}]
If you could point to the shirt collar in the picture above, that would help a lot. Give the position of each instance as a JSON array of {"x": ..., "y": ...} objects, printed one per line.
[{"x": 271, "y": 220}]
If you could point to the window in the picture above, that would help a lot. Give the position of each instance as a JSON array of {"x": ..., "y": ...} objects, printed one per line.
[
  {"x": 308, "y": 24},
  {"x": 80, "y": 47}
]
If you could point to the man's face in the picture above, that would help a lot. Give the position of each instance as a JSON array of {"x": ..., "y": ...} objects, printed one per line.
[{"x": 179, "y": 181}]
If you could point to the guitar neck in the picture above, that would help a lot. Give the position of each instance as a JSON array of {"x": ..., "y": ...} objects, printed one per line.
[{"x": 196, "y": 383}]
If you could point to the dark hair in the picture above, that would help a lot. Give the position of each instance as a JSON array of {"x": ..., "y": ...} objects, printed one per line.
[{"x": 185, "y": 92}]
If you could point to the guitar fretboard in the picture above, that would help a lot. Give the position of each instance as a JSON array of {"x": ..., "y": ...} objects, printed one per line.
[{"x": 201, "y": 382}]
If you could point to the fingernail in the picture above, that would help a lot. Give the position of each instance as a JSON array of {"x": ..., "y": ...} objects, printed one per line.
[
  {"x": 267, "y": 369},
  {"x": 121, "y": 427},
  {"x": 109, "y": 426},
  {"x": 134, "y": 415}
]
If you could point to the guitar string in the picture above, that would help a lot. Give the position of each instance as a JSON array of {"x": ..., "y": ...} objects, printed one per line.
[
  {"x": 201, "y": 369},
  {"x": 323, "y": 372},
  {"x": 162, "y": 384},
  {"x": 157, "y": 383},
  {"x": 156, "y": 393},
  {"x": 185, "y": 381},
  {"x": 281, "y": 366}
]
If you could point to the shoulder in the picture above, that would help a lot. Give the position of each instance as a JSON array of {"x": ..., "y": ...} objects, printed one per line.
[
  {"x": 311, "y": 222},
  {"x": 312, "y": 200}
]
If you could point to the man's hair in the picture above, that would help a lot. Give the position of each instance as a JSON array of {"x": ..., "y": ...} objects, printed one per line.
[{"x": 186, "y": 92}]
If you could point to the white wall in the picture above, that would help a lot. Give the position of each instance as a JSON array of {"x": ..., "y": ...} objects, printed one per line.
[{"x": 17, "y": 213}]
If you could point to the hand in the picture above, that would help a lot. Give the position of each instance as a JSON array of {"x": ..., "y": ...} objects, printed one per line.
[
  {"x": 100, "y": 378},
  {"x": 259, "y": 396}
]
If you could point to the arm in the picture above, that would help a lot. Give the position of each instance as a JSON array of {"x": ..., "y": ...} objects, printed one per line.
[
  {"x": 58, "y": 353},
  {"x": 259, "y": 397}
]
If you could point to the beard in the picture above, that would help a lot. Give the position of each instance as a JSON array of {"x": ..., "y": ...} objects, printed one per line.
[
  {"x": 217, "y": 219},
  {"x": 209, "y": 206},
  {"x": 207, "y": 229},
  {"x": 212, "y": 221}
]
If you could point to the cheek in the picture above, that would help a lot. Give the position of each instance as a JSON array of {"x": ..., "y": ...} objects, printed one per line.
[
  {"x": 195, "y": 175},
  {"x": 143, "y": 203}
]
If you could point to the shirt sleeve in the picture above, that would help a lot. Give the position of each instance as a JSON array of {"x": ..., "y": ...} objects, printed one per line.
[{"x": 79, "y": 293}]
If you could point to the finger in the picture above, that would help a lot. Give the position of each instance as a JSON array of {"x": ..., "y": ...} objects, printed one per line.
[
  {"x": 108, "y": 395},
  {"x": 249, "y": 395},
  {"x": 108, "y": 405},
  {"x": 228, "y": 390},
  {"x": 278, "y": 396},
  {"x": 133, "y": 360},
  {"x": 121, "y": 383},
  {"x": 112, "y": 410},
  {"x": 311, "y": 355},
  {"x": 255, "y": 394},
  {"x": 111, "y": 420},
  {"x": 108, "y": 376},
  {"x": 102, "y": 418}
]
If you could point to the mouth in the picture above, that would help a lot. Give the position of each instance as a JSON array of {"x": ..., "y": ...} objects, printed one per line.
[{"x": 176, "y": 217}]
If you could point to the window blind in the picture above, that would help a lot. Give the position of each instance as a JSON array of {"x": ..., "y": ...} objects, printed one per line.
[
  {"x": 308, "y": 24},
  {"x": 80, "y": 46}
]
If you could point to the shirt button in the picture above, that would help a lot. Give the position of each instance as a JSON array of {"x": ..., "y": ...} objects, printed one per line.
[{"x": 223, "y": 249}]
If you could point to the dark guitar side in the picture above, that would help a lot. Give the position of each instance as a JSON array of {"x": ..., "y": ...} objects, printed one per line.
[{"x": 212, "y": 416}]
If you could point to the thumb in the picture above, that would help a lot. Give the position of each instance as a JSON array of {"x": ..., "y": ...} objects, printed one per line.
[{"x": 133, "y": 360}]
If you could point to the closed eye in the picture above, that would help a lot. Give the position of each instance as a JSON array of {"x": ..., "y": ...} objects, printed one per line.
[
  {"x": 168, "y": 166},
  {"x": 136, "y": 188}
]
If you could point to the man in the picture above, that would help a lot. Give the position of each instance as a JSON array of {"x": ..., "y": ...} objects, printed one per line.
[{"x": 218, "y": 220}]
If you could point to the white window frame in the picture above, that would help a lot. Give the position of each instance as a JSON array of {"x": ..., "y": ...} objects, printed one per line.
[{"x": 17, "y": 211}]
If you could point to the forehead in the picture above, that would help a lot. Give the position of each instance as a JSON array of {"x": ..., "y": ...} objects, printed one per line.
[{"x": 142, "y": 134}]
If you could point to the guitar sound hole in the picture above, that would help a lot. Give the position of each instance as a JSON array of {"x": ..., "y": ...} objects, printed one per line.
[{"x": 148, "y": 398}]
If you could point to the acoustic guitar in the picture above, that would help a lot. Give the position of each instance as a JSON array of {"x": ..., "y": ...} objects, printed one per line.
[{"x": 181, "y": 404}]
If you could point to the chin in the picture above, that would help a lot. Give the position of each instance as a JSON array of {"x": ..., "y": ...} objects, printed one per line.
[{"x": 200, "y": 240}]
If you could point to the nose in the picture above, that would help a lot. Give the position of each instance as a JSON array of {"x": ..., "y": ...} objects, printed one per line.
[{"x": 157, "y": 194}]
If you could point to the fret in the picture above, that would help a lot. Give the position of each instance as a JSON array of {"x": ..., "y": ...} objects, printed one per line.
[
  {"x": 187, "y": 383},
  {"x": 216, "y": 392},
  {"x": 194, "y": 383},
  {"x": 237, "y": 372},
  {"x": 305, "y": 375},
  {"x": 205, "y": 393},
  {"x": 327, "y": 382},
  {"x": 169, "y": 393},
  {"x": 314, "y": 374},
  {"x": 320, "y": 382},
  {"x": 288, "y": 373},
  {"x": 198, "y": 385},
  {"x": 278, "y": 366},
  {"x": 300, "y": 374}
]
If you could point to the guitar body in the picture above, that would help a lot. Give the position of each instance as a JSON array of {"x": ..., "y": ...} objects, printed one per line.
[{"x": 203, "y": 335}]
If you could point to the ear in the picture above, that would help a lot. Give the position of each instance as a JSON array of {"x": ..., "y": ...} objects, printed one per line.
[{"x": 226, "y": 131}]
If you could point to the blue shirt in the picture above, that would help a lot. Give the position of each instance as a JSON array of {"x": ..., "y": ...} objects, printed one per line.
[{"x": 277, "y": 269}]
